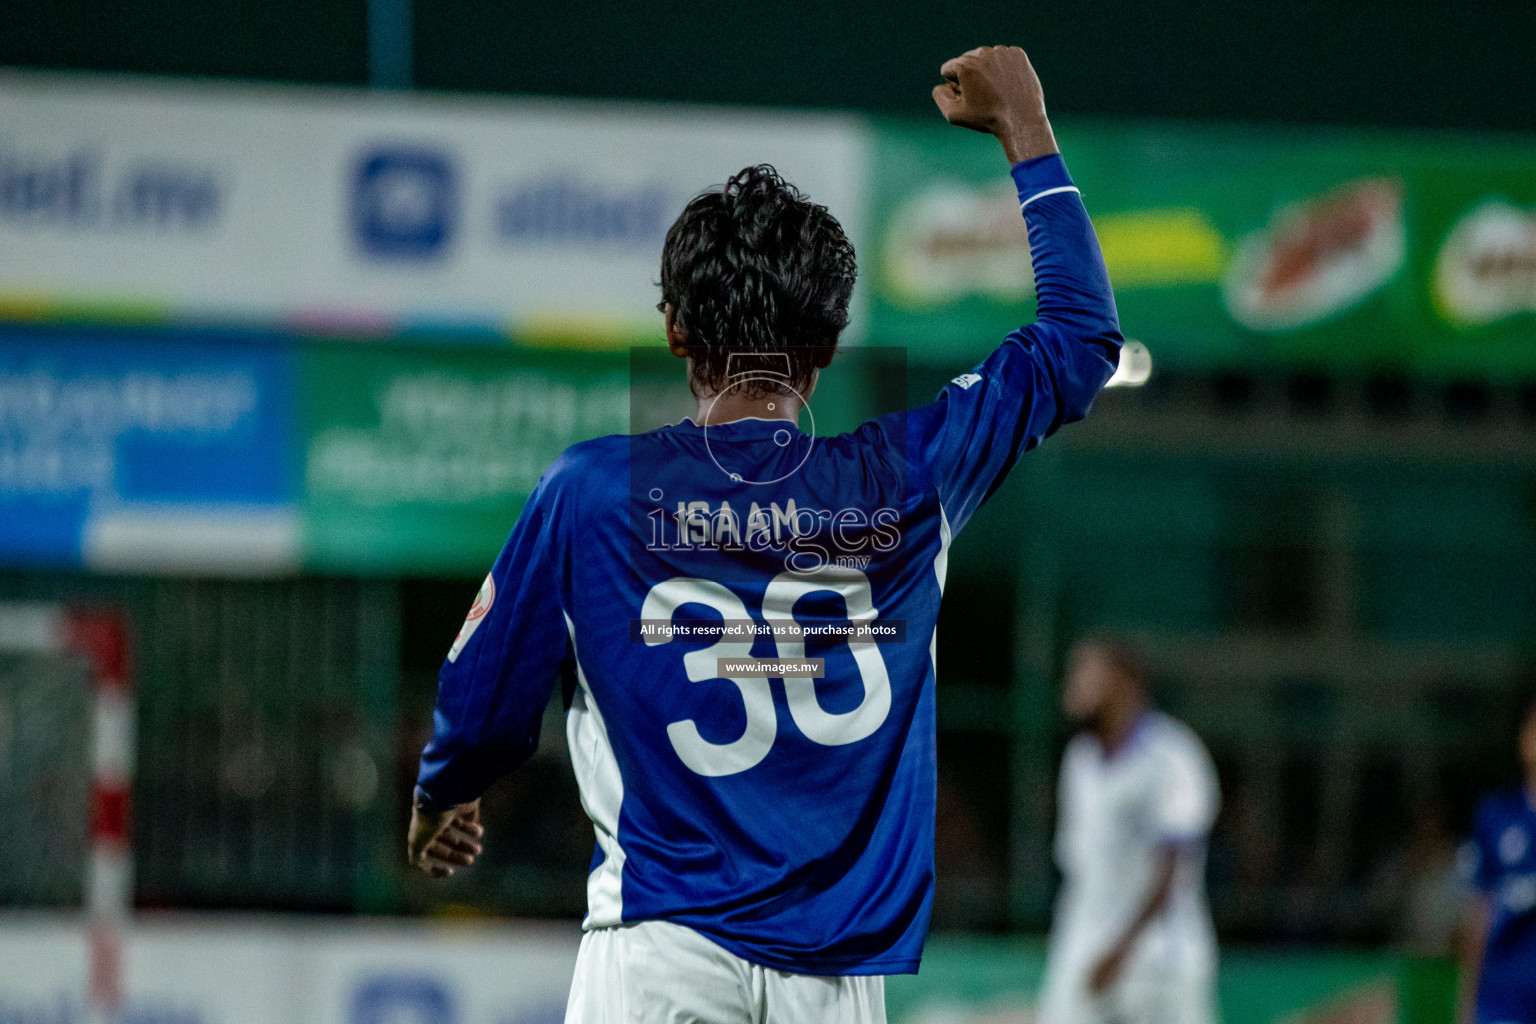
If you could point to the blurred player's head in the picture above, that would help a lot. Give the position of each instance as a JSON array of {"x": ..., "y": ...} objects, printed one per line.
[
  {"x": 755, "y": 271},
  {"x": 1104, "y": 678}
]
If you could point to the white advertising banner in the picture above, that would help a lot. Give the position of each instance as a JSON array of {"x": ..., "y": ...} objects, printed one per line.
[
  {"x": 338, "y": 210},
  {"x": 254, "y": 970}
]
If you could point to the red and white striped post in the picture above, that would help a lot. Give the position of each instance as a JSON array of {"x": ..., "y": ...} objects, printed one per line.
[{"x": 98, "y": 638}]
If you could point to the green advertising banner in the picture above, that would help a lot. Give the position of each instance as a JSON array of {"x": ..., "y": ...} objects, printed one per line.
[
  {"x": 1228, "y": 246},
  {"x": 976, "y": 980},
  {"x": 419, "y": 461}
]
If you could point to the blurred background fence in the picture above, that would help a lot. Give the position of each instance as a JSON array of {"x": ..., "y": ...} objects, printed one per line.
[{"x": 1338, "y": 597}]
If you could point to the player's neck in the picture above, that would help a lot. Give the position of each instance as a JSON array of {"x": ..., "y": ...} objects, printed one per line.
[
  {"x": 1530, "y": 788},
  {"x": 728, "y": 408}
]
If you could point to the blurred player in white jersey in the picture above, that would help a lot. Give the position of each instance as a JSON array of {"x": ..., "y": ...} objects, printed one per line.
[{"x": 1131, "y": 939}]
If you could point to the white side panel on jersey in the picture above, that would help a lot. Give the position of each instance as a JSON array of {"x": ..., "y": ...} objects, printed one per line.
[
  {"x": 941, "y": 560},
  {"x": 941, "y": 570},
  {"x": 602, "y": 791}
]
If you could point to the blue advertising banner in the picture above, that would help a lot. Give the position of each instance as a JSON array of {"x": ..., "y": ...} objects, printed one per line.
[
  {"x": 239, "y": 454},
  {"x": 120, "y": 453}
]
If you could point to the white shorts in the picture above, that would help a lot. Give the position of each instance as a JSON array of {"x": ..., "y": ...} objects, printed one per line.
[
  {"x": 1140, "y": 997},
  {"x": 655, "y": 972}
]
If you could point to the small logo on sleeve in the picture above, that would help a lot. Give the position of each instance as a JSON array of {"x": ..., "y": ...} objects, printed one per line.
[
  {"x": 965, "y": 380},
  {"x": 477, "y": 613}
]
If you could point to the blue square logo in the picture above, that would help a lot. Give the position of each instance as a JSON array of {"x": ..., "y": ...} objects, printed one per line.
[
  {"x": 402, "y": 999},
  {"x": 404, "y": 203}
]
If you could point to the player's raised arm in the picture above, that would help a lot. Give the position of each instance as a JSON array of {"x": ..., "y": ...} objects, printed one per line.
[{"x": 1046, "y": 373}]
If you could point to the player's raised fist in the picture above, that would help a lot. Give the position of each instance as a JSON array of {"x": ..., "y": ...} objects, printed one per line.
[{"x": 994, "y": 89}]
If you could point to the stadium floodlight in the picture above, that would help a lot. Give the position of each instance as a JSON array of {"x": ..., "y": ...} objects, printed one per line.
[{"x": 98, "y": 640}]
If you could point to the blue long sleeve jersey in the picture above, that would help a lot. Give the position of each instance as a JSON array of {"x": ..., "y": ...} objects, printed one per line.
[
  {"x": 789, "y": 819},
  {"x": 1499, "y": 860}
]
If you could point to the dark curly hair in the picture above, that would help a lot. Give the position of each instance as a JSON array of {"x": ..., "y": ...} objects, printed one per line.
[{"x": 755, "y": 267}]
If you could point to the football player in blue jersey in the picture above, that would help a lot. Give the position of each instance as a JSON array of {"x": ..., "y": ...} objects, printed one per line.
[
  {"x": 1499, "y": 861},
  {"x": 750, "y": 716}
]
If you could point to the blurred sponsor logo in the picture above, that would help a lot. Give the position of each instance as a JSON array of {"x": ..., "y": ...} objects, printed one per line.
[
  {"x": 1486, "y": 270},
  {"x": 1161, "y": 248},
  {"x": 950, "y": 242},
  {"x": 59, "y": 430},
  {"x": 448, "y": 439},
  {"x": 404, "y": 203},
  {"x": 566, "y": 209},
  {"x": 83, "y": 191},
  {"x": 1318, "y": 257},
  {"x": 402, "y": 999}
]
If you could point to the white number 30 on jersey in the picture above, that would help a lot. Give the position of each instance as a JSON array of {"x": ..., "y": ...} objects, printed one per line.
[{"x": 779, "y": 600}]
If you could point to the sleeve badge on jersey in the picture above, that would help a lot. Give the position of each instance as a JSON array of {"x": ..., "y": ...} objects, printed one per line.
[
  {"x": 477, "y": 613},
  {"x": 965, "y": 380}
]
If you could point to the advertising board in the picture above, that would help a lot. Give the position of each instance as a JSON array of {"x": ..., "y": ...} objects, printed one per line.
[
  {"x": 1228, "y": 246},
  {"x": 345, "y": 212}
]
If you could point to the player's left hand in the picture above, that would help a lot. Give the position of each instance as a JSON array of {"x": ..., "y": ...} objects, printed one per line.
[
  {"x": 1107, "y": 971},
  {"x": 440, "y": 841}
]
